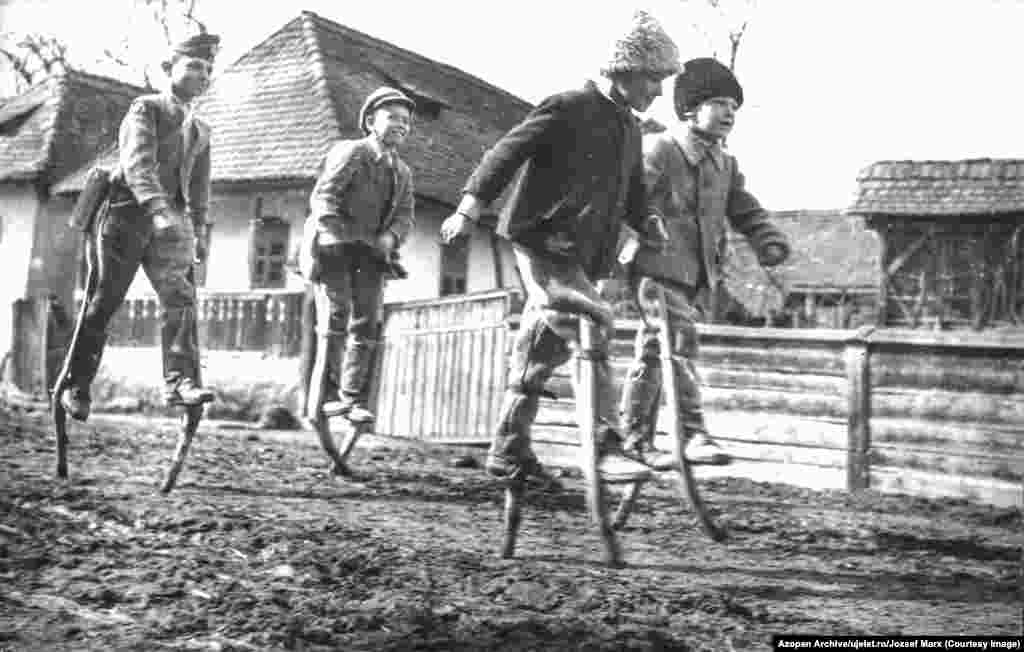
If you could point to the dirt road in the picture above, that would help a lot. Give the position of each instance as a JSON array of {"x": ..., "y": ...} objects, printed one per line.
[{"x": 259, "y": 549}]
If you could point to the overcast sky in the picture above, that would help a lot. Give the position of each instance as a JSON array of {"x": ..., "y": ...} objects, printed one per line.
[{"x": 831, "y": 85}]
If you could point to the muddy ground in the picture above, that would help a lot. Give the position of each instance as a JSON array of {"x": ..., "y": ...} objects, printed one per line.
[{"x": 259, "y": 549}]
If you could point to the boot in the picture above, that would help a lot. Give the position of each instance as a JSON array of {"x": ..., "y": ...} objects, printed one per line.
[
  {"x": 355, "y": 380},
  {"x": 185, "y": 392},
  {"x": 332, "y": 404},
  {"x": 638, "y": 446},
  {"x": 615, "y": 465},
  {"x": 510, "y": 458},
  {"x": 352, "y": 408},
  {"x": 75, "y": 396},
  {"x": 702, "y": 449},
  {"x": 76, "y": 401}
]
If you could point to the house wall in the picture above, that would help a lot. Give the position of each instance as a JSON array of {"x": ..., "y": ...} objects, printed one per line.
[
  {"x": 19, "y": 206},
  {"x": 55, "y": 252},
  {"x": 228, "y": 266}
]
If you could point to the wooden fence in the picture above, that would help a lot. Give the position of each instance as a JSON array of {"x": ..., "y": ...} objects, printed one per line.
[
  {"x": 918, "y": 412},
  {"x": 441, "y": 367},
  {"x": 907, "y": 411},
  {"x": 268, "y": 320}
]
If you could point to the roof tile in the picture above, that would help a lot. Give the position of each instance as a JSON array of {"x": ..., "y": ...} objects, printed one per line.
[{"x": 967, "y": 187}]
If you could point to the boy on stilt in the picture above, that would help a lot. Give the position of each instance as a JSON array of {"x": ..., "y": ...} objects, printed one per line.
[
  {"x": 582, "y": 178},
  {"x": 157, "y": 218},
  {"x": 695, "y": 192},
  {"x": 361, "y": 211}
]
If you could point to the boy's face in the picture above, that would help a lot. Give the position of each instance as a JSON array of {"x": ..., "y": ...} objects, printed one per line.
[
  {"x": 190, "y": 76},
  {"x": 639, "y": 89},
  {"x": 716, "y": 116},
  {"x": 390, "y": 123}
]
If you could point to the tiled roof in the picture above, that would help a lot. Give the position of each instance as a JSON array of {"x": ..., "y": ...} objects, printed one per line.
[
  {"x": 830, "y": 252},
  {"x": 969, "y": 187},
  {"x": 276, "y": 111},
  {"x": 60, "y": 123}
]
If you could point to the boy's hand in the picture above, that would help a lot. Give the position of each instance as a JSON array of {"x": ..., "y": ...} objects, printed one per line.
[
  {"x": 202, "y": 232},
  {"x": 657, "y": 236},
  {"x": 165, "y": 220},
  {"x": 773, "y": 254},
  {"x": 457, "y": 225},
  {"x": 387, "y": 242}
]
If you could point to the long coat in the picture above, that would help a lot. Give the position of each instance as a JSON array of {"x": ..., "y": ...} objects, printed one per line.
[
  {"x": 698, "y": 190},
  {"x": 165, "y": 156},
  {"x": 578, "y": 155}
]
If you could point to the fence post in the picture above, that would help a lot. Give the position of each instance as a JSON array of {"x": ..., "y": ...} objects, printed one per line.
[{"x": 857, "y": 358}]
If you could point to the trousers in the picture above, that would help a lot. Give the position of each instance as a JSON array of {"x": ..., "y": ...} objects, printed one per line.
[
  {"x": 641, "y": 394},
  {"x": 125, "y": 241},
  {"x": 348, "y": 296},
  {"x": 558, "y": 296}
]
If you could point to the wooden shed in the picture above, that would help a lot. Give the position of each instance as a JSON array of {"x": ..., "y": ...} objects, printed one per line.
[{"x": 952, "y": 255}]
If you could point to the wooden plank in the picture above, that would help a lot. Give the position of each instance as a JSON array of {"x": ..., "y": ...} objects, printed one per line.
[
  {"x": 473, "y": 395},
  {"x": 486, "y": 379},
  {"x": 774, "y": 428},
  {"x": 724, "y": 380},
  {"x": 936, "y": 404},
  {"x": 462, "y": 408},
  {"x": 896, "y": 339},
  {"x": 949, "y": 462},
  {"x": 858, "y": 415},
  {"x": 940, "y": 485},
  {"x": 834, "y": 458},
  {"x": 429, "y": 406},
  {"x": 966, "y": 437},
  {"x": 979, "y": 370}
]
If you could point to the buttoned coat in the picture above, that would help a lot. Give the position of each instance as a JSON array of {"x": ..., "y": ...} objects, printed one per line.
[
  {"x": 164, "y": 156},
  {"x": 346, "y": 201},
  {"x": 580, "y": 175},
  {"x": 698, "y": 190},
  {"x": 345, "y": 204}
]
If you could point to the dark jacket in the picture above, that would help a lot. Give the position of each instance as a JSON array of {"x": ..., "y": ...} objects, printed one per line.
[
  {"x": 164, "y": 158},
  {"x": 581, "y": 176},
  {"x": 698, "y": 190},
  {"x": 347, "y": 201}
]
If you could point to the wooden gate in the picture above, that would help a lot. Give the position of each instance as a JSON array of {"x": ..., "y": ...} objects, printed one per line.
[{"x": 441, "y": 367}]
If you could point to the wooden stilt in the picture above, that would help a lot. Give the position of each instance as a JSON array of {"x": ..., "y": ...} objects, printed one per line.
[
  {"x": 687, "y": 482},
  {"x": 314, "y": 408},
  {"x": 586, "y": 415},
  {"x": 189, "y": 424},
  {"x": 513, "y": 516},
  {"x": 630, "y": 495}
]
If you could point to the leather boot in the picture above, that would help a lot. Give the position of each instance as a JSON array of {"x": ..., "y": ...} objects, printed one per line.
[
  {"x": 75, "y": 396},
  {"x": 186, "y": 392},
  {"x": 333, "y": 404},
  {"x": 355, "y": 381}
]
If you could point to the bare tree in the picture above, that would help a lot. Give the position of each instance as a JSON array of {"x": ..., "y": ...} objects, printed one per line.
[
  {"x": 167, "y": 20},
  {"x": 33, "y": 57},
  {"x": 715, "y": 19}
]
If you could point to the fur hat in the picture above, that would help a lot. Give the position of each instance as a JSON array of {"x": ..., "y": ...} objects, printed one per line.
[
  {"x": 380, "y": 97},
  {"x": 702, "y": 79},
  {"x": 646, "y": 48},
  {"x": 201, "y": 46}
]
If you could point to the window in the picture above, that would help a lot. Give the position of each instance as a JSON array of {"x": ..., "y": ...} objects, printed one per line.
[
  {"x": 268, "y": 251},
  {"x": 454, "y": 267}
]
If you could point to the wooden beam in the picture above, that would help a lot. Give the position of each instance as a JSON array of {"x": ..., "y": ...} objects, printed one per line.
[{"x": 858, "y": 373}]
